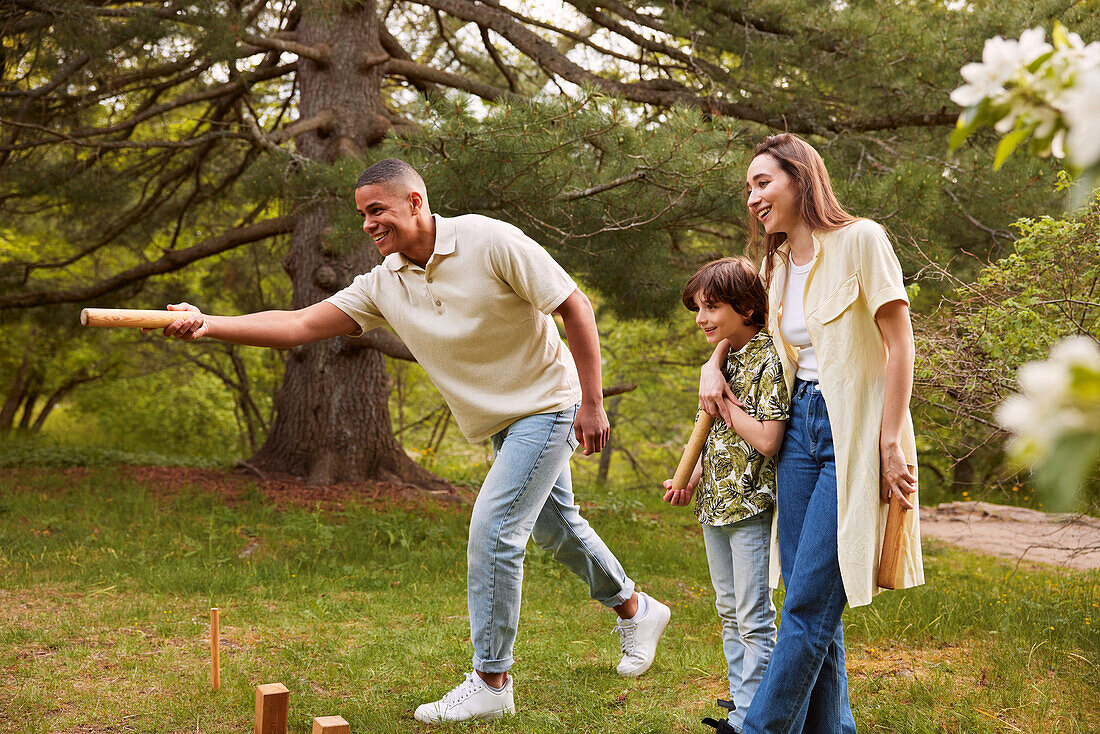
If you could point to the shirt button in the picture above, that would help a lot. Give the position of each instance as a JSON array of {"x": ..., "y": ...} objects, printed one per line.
[
  {"x": 429, "y": 280},
  {"x": 439, "y": 303}
]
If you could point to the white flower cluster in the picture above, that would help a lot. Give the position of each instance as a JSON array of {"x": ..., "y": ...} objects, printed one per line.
[
  {"x": 1034, "y": 88},
  {"x": 1059, "y": 398}
]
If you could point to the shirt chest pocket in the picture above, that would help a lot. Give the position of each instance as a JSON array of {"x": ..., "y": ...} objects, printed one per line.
[{"x": 837, "y": 302}]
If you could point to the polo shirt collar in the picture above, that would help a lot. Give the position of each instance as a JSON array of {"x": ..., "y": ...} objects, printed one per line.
[{"x": 446, "y": 236}]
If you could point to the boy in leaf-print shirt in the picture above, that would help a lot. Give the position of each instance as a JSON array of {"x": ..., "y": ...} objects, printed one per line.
[
  {"x": 737, "y": 480},
  {"x": 734, "y": 481}
]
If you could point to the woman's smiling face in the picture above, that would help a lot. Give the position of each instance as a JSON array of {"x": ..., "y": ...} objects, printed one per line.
[{"x": 773, "y": 198}]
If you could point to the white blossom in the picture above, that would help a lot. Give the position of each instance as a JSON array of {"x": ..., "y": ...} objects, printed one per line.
[
  {"x": 1077, "y": 351},
  {"x": 1055, "y": 400},
  {"x": 1015, "y": 414},
  {"x": 1082, "y": 115},
  {"x": 1031, "y": 46},
  {"x": 1044, "y": 380},
  {"x": 1057, "y": 102}
]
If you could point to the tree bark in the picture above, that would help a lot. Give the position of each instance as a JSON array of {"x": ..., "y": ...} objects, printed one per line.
[
  {"x": 17, "y": 390},
  {"x": 332, "y": 418}
]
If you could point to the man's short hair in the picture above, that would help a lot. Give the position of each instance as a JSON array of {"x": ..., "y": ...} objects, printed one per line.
[
  {"x": 391, "y": 171},
  {"x": 731, "y": 280}
]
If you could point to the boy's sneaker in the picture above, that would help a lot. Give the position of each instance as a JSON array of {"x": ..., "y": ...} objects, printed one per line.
[
  {"x": 471, "y": 699},
  {"x": 721, "y": 726},
  {"x": 640, "y": 637}
]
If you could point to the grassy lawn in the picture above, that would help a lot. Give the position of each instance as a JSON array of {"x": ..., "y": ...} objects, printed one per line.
[{"x": 360, "y": 610}]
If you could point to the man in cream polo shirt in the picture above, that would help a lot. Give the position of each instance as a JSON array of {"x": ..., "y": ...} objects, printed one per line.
[{"x": 472, "y": 298}]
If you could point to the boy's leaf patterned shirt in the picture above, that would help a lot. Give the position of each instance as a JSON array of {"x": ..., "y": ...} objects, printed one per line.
[{"x": 738, "y": 481}]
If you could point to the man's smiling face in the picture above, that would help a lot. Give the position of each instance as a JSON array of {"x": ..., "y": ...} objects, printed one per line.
[{"x": 389, "y": 216}]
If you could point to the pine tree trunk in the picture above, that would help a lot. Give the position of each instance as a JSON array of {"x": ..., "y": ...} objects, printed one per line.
[{"x": 332, "y": 418}]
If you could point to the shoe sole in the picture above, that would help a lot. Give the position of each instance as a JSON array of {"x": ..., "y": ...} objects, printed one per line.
[
  {"x": 491, "y": 716},
  {"x": 640, "y": 671}
]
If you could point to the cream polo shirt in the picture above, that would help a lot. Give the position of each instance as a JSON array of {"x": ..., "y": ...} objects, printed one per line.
[
  {"x": 854, "y": 272},
  {"x": 477, "y": 319}
]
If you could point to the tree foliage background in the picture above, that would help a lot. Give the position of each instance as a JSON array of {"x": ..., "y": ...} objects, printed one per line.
[{"x": 154, "y": 152}]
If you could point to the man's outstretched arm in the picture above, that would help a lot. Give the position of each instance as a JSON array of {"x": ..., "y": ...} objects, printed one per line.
[
  {"x": 279, "y": 329},
  {"x": 591, "y": 427}
]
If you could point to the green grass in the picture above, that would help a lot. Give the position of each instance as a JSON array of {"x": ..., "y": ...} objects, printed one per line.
[{"x": 106, "y": 585}]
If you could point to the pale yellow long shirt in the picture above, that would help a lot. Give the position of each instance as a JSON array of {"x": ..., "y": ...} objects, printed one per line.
[{"x": 854, "y": 272}]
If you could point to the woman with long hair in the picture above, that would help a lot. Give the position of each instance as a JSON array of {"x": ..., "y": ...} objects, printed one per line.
[{"x": 839, "y": 315}]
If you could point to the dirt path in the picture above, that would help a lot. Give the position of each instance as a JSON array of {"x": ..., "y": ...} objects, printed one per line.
[{"x": 1068, "y": 541}]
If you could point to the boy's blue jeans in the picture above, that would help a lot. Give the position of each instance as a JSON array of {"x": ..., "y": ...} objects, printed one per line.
[
  {"x": 738, "y": 556},
  {"x": 805, "y": 688},
  {"x": 528, "y": 494}
]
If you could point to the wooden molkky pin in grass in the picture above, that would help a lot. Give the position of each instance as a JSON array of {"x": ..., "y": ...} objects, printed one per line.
[
  {"x": 215, "y": 650},
  {"x": 272, "y": 708},
  {"x": 331, "y": 725}
]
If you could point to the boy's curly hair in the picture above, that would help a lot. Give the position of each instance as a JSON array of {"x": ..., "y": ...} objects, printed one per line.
[{"x": 731, "y": 280}]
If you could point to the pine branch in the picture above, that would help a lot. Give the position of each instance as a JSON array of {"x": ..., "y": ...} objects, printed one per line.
[
  {"x": 498, "y": 61},
  {"x": 235, "y": 87},
  {"x": 111, "y": 144},
  {"x": 656, "y": 92},
  {"x": 580, "y": 38},
  {"x": 320, "y": 121},
  {"x": 619, "y": 389},
  {"x": 138, "y": 11},
  {"x": 666, "y": 92},
  {"x": 322, "y": 54},
  {"x": 412, "y": 70},
  {"x": 712, "y": 70},
  {"x": 168, "y": 262},
  {"x": 393, "y": 47},
  {"x": 622, "y": 181},
  {"x": 59, "y": 78},
  {"x": 166, "y": 187}
]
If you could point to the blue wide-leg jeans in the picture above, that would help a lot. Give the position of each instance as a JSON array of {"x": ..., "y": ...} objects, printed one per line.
[
  {"x": 805, "y": 688},
  {"x": 528, "y": 493}
]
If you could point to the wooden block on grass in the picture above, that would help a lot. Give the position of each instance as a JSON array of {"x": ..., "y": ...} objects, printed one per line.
[
  {"x": 272, "y": 708},
  {"x": 331, "y": 725}
]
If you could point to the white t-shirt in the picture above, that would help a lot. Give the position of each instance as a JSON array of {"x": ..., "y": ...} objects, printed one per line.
[
  {"x": 793, "y": 325},
  {"x": 477, "y": 319}
]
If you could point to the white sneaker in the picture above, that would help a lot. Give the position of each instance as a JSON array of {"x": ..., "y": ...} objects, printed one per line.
[
  {"x": 471, "y": 699},
  {"x": 640, "y": 637}
]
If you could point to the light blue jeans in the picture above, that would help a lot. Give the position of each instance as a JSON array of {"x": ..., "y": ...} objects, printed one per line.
[
  {"x": 738, "y": 556},
  {"x": 805, "y": 688},
  {"x": 528, "y": 494}
]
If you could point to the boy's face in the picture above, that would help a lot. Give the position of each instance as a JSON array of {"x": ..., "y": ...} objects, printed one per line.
[{"x": 719, "y": 321}]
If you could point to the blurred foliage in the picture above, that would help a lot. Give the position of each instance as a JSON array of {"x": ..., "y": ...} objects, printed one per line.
[{"x": 970, "y": 348}]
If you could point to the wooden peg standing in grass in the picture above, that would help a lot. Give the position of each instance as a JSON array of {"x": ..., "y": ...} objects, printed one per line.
[
  {"x": 272, "y": 708},
  {"x": 331, "y": 725},
  {"x": 215, "y": 650}
]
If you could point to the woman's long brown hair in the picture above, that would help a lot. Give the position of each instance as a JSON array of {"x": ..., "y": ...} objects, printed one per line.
[{"x": 817, "y": 204}]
